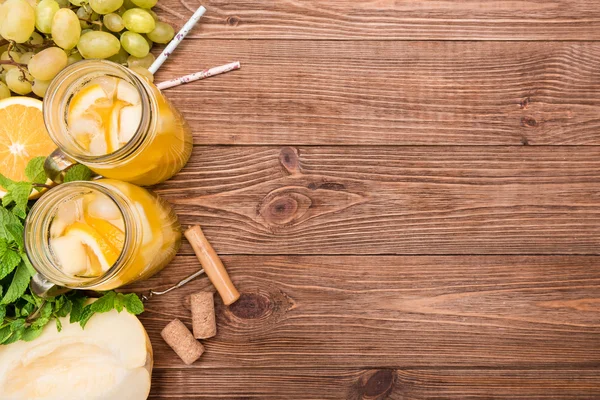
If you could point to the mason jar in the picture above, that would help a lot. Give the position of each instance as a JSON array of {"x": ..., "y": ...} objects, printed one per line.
[
  {"x": 155, "y": 151},
  {"x": 127, "y": 229}
]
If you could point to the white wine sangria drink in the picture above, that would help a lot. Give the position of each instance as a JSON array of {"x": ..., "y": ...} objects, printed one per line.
[
  {"x": 100, "y": 235},
  {"x": 114, "y": 121}
]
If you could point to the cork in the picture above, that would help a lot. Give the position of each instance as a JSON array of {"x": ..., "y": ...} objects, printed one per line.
[
  {"x": 181, "y": 340},
  {"x": 203, "y": 315}
]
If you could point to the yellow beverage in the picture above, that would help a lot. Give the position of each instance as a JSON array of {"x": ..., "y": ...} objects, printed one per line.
[
  {"x": 117, "y": 123},
  {"x": 100, "y": 235}
]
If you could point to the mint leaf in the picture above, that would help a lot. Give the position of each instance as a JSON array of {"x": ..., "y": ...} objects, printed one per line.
[
  {"x": 58, "y": 324},
  {"x": 132, "y": 303},
  {"x": 18, "y": 193},
  {"x": 9, "y": 259},
  {"x": 4, "y": 334},
  {"x": 2, "y": 313},
  {"x": 104, "y": 303},
  {"x": 19, "y": 284},
  {"x": 86, "y": 314},
  {"x": 16, "y": 233},
  {"x": 78, "y": 172},
  {"x": 35, "y": 170},
  {"x": 7, "y": 218},
  {"x": 31, "y": 333},
  {"x": 5, "y": 182},
  {"x": 28, "y": 265},
  {"x": 77, "y": 309}
]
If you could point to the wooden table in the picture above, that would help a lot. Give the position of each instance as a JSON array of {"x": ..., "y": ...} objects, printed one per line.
[{"x": 407, "y": 194}]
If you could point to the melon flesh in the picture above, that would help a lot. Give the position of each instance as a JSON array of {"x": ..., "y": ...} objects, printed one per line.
[{"x": 111, "y": 359}]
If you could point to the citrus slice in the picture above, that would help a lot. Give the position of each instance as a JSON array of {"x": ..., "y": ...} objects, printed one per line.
[
  {"x": 101, "y": 248},
  {"x": 113, "y": 235},
  {"x": 23, "y": 136}
]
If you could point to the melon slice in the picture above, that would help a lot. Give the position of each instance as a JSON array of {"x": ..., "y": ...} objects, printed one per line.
[{"x": 110, "y": 359}]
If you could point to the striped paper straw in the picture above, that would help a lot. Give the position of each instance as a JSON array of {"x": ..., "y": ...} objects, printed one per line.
[
  {"x": 207, "y": 73},
  {"x": 176, "y": 40}
]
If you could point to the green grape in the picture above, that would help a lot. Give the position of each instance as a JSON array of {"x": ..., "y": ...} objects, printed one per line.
[
  {"x": 18, "y": 20},
  {"x": 4, "y": 91},
  {"x": 97, "y": 44},
  {"x": 135, "y": 44},
  {"x": 63, "y": 3},
  {"x": 120, "y": 57},
  {"x": 46, "y": 64},
  {"x": 162, "y": 33},
  {"x": 128, "y": 4},
  {"x": 3, "y": 12},
  {"x": 150, "y": 42},
  {"x": 36, "y": 39},
  {"x": 44, "y": 13},
  {"x": 144, "y": 73},
  {"x": 74, "y": 57},
  {"x": 77, "y": 2},
  {"x": 105, "y": 6},
  {"x": 14, "y": 56},
  {"x": 26, "y": 57},
  {"x": 3, "y": 48},
  {"x": 19, "y": 81},
  {"x": 113, "y": 22},
  {"x": 144, "y": 62},
  {"x": 154, "y": 15},
  {"x": 145, "y": 3},
  {"x": 138, "y": 20},
  {"x": 3, "y": 75},
  {"x": 40, "y": 87},
  {"x": 84, "y": 31},
  {"x": 66, "y": 29},
  {"x": 84, "y": 13}
]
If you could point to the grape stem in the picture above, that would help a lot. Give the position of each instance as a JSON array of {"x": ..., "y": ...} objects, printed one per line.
[
  {"x": 41, "y": 185},
  {"x": 11, "y": 62},
  {"x": 89, "y": 21}
]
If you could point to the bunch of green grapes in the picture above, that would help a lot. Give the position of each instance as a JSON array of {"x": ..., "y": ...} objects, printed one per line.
[{"x": 40, "y": 38}]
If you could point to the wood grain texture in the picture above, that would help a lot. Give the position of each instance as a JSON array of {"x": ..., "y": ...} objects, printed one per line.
[
  {"x": 375, "y": 384},
  {"x": 390, "y": 19},
  {"x": 392, "y": 200},
  {"x": 390, "y": 93},
  {"x": 375, "y": 312}
]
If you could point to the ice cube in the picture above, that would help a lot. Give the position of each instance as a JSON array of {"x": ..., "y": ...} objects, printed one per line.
[
  {"x": 104, "y": 208},
  {"x": 147, "y": 235},
  {"x": 67, "y": 212},
  {"x": 98, "y": 146},
  {"x": 108, "y": 84},
  {"x": 70, "y": 254},
  {"x": 84, "y": 129},
  {"x": 129, "y": 121},
  {"x": 114, "y": 127},
  {"x": 127, "y": 92}
]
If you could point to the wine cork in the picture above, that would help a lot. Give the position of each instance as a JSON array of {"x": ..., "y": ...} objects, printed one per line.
[
  {"x": 181, "y": 340},
  {"x": 212, "y": 265},
  {"x": 203, "y": 315}
]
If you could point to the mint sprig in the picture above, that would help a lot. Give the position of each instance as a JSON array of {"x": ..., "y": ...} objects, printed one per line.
[{"x": 23, "y": 315}]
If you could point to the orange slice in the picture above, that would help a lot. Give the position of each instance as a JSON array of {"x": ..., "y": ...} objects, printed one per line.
[
  {"x": 23, "y": 136},
  {"x": 113, "y": 235},
  {"x": 100, "y": 247}
]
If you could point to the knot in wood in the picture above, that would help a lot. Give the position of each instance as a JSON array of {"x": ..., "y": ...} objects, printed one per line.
[
  {"x": 252, "y": 306},
  {"x": 233, "y": 20},
  {"x": 288, "y": 157},
  {"x": 375, "y": 384},
  {"x": 284, "y": 208},
  {"x": 528, "y": 122}
]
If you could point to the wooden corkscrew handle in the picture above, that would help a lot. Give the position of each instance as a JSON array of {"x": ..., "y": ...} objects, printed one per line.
[{"x": 212, "y": 265}]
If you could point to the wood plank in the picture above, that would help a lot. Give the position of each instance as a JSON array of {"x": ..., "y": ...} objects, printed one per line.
[
  {"x": 392, "y": 200},
  {"x": 383, "y": 383},
  {"x": 386, "y": 19},
  {"x": 391, "y": 93},
  {"x": 528, "y": 312}
]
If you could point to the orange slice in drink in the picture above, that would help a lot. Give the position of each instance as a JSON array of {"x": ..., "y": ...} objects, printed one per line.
[
  {"x": 23, "y": 136},
  {"x": 101, "y": 248}
]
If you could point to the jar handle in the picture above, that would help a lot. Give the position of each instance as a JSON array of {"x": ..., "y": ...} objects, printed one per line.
[
  {"x": 43, "y": 288},
  {"x": 57, "y": 164}
]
